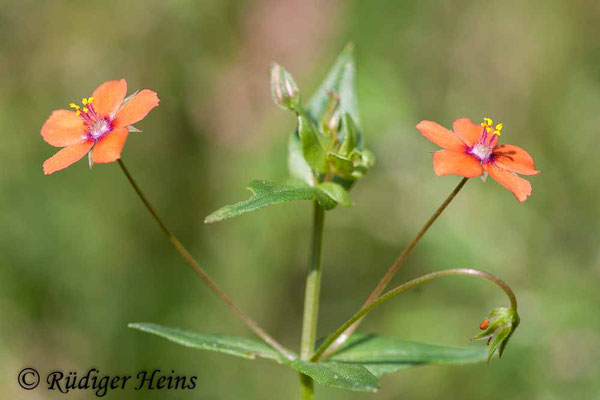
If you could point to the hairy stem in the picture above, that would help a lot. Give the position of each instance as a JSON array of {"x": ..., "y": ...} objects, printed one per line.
[
  {"x": 311, "y": 300},
  {"x": 396, "y": 265},
  {"x": 409, "y": 285},
  {"x": 202, "y": 274}
]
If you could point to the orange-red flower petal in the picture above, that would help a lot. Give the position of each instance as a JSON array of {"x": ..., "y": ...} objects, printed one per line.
[
  {"x": 520, "y": 187},
  {"x": 467, "y": 131},
  {"x": 515, "y": 159},
  {"x": 109, "y": 96},
  {"x": 63, "y": 128},
  {"x": 440, "y": 135},
  {"x": 67, "y": 156},
  {"x": 136, "y": 108},
  {"x": 108, "y": 149},
  {"x": 446, "y": 162}
]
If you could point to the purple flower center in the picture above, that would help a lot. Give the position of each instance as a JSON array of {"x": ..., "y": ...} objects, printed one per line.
[
  {"x": 483, "y": 149},
  {"x": 96, "y": 125}
]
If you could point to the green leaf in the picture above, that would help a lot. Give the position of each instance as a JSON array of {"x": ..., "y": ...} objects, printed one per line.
[
  {"x": 235, "y": 346},
  {"x": 297, "y": 165},
  {"x": 383, "y": 355},
  {"x": 347, "y": 376},
  {"x": 350, "y": 135},
  {"x": 341, "y": 79},
  {"x": 342, "y": 165},
  {"x": 336, "y": 192},
  {"x": 312, "y": 147},
  {"x": 270, "y": 193}
]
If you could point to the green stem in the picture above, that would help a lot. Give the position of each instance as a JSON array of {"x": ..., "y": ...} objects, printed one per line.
[
  {"x": 409, "y": 285},
  {"x": 391, "y": 272},
  {"x": 311, "y": 300},
  {"x": 202, "y": 274}
]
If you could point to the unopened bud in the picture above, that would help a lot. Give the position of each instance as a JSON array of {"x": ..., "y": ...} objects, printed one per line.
[{"x": 284, "y": 90}]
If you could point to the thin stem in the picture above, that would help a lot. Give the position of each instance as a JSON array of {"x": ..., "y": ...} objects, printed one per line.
[
  {"x": 307, "y": 388},
  {"x": 311, "y": 299},
  {"x": 202, "y": 274},
  {"x": 409, "y": 285},
  {"x": 396, "y": 265}
]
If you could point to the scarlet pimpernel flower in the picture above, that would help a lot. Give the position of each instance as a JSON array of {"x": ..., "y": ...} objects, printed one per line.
[
  {"x": 99, "y": 127},
  {"x": 472, "y": 150}
]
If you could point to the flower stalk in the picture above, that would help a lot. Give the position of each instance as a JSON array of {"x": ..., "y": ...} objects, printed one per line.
[
  {"x": 311, "y": 300},
  {"x": 409, "y": 285},
  {"x": 253, "y": 325},
  {"x": 391, "y": 272}
]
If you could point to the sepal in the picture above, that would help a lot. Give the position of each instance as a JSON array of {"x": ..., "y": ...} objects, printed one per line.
[{"x": 498, "y": 328}]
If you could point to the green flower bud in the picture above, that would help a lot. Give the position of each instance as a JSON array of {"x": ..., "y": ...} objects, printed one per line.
[
  {"x": 497, "y": 328},
  {"x": 284, "y": 90}
]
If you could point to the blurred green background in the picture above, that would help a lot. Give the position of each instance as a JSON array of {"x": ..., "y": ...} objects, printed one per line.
[{"x": 80, "y": 257}]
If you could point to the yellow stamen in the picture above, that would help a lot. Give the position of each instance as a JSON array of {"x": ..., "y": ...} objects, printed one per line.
[
  {"x": 78, "y": 112},
  {"x": 90, "y": 99},
  {"x": 85, "y": 110},
  {"x": 488, "y": 121},
  {"x": 73, "y": 105},
  {"x": 499, "y": 126}
]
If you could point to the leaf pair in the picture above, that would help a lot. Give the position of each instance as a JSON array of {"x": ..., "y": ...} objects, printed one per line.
[{"x": 356, "y": 366}]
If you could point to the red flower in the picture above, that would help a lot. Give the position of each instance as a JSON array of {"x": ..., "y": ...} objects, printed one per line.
[
  {"x": 99, "y": 127},
  {"x": 472, "y": 150}
]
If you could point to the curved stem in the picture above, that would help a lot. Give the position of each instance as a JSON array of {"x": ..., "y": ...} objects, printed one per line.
[
  {"x": 202, "y": 274},
  {"x": 396, "y": 265},
  {"x": 311, "y": 300},
  {"x": 409, "y": 285}
]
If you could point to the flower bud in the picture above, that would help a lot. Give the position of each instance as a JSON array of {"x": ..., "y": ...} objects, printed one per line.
[
  {"x": 283, "y": 88},
  {"x": 497, "y": 328}
]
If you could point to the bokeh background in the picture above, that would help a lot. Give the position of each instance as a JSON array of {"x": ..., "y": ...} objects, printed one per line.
[{"x": 80, "y": 257}]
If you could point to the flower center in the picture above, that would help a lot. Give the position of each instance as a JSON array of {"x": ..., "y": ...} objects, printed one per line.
[
  {"x": 486, "y": 143},
  {"x": 98, "y": 128},
  {"x": 97, "y": 125},
  {"x": 481, "y": 151}
]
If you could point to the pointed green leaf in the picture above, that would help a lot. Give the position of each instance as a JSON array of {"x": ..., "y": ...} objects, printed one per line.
[
  {"x": 341, "y": 79},
  {"x": 347, "y": 376},
  {"x": 312, "y": 147},
  {"x": 383, "y": 355},
  {"x": 235, "y": 346},
  {"x": 270, "y": 193},
  {"x": 297, "y": 165},
  {"x": 342, "y": 165},
  {"x": 350, "y": 135},
  {"x": 336, "y": 193}
]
